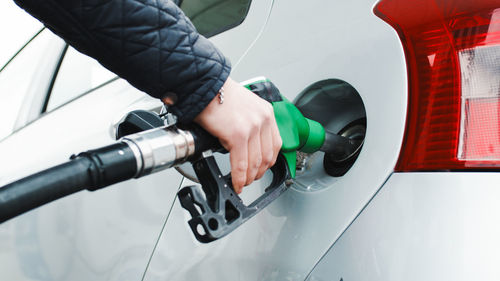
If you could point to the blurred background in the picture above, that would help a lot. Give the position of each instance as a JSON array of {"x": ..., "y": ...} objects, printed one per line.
[{"x": 16, "y": 28}]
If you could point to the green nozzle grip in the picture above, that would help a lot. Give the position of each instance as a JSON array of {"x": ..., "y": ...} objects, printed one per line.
[
  {"x": 316, "y": 137},
  {"x": 297, "y": 132}
]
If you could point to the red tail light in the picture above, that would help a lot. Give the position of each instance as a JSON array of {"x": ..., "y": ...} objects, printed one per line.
[{"x": 452, "y": 50}]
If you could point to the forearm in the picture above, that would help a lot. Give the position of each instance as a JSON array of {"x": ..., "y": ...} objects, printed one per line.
[{"x": 151, "y": 44}]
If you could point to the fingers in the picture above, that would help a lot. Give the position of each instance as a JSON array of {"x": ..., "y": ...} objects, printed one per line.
[
  {"x": 238, "y": 156},
  {"x": 254, "y": 157},
  {"x": 266, "y": 142},
  {"x": 277, "y": 142},
  {"x": 270, "y": 141}
]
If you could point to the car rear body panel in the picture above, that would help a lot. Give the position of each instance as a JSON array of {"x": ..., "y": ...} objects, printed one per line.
[{"x": 422, "y": 226}]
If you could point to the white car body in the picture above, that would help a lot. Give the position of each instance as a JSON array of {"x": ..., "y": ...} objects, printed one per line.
[{"x": 370, "y": 224}]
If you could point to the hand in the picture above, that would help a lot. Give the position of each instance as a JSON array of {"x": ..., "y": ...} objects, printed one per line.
[{"x": 245, "y": 125}]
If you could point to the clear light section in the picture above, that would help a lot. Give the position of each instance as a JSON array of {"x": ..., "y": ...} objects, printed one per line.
[{"x": 480, "y": 115}]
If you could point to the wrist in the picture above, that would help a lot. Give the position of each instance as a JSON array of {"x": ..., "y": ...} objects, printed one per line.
[{"x": 217, "y": 103}]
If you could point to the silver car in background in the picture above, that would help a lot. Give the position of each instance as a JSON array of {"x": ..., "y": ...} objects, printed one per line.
[{"x": 420, "y": 79}]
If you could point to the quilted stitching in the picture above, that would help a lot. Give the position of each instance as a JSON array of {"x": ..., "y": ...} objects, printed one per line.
[{"x": 150, "y": 43}]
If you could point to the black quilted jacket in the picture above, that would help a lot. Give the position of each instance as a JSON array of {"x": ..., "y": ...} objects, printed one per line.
[{"x": 150, "y": 43}]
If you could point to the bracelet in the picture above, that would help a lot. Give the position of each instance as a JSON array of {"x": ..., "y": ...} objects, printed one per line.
[{"x": 221, "y": 95}]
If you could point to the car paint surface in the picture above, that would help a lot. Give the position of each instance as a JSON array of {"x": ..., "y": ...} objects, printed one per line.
[
  {"x": 340, "y": 39},
  {"x": 422, "y": 226}
]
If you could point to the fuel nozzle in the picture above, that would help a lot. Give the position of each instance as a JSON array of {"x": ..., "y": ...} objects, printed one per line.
[
  {"x": 299, "y": 133},
  {"x": 147, "y": 145}
]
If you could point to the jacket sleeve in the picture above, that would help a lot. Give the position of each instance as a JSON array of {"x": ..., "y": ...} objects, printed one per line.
[{"x": 150, "y": 43}]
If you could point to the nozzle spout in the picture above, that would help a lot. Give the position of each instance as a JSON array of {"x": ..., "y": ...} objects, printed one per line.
[{"x": 340, "y": 148}]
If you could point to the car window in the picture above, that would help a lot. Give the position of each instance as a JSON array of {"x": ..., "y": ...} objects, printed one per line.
[
  {"x": 16, "y": 78},
  {"x": 78, "y": 74},
  {"x": 211, "y": 17}
]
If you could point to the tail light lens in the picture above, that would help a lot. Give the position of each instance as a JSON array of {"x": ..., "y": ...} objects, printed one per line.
[{"x": 452, "y": 50}]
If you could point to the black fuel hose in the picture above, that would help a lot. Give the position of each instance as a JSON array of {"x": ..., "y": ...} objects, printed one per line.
[
  {"x": 89, "y": 170},
  {"x": 153, "y": 150}
]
